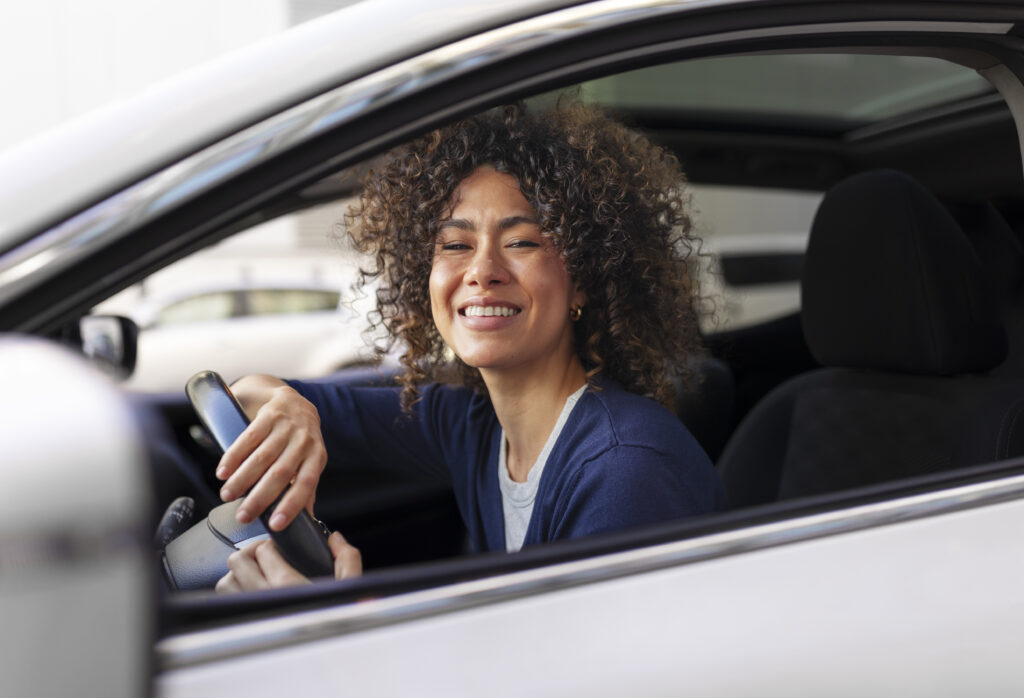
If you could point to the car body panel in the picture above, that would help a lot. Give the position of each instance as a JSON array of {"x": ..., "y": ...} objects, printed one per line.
[
  {"x": 303, "y": 345},
  {"x": 809, "y": 618}
]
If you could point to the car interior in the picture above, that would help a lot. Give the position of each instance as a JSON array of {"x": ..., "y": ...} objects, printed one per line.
[
  {"x": 900, "y": 315},
  {"x": 900, "y": 372}
]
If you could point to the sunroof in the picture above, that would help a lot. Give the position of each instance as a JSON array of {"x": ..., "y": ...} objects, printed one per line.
[{"x": 856, "y": 88}]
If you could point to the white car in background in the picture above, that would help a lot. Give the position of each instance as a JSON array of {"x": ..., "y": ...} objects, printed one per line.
[{"x": 290, "y": 328}]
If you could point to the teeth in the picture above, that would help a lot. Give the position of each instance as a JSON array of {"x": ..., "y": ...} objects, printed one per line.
[{"x": 490, "y": 311}]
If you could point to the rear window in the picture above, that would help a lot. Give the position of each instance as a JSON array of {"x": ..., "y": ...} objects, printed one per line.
[
  {"x": 290, "y": 301},
  {"x": 757, "y": 269},
  {"x": 200, "y": 308}
]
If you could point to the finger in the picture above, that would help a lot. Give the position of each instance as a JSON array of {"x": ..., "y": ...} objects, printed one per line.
[
  {"x": 227, "y": 584},
  {"x": 348, "y": 561},
  {"x": 302, "y": 492},
  {"x": 336, "y": 542},
  {"x": 245, "y": 569},
  {"x": 245, "y": 444},
  {"x": 277, "y": 570},
  {"x": 256, "y": 465},
  {"x": 270, "y": 486}
]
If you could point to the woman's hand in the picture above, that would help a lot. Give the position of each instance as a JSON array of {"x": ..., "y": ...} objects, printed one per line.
[
  {"x": 281, "y": 446},
  {"x": 260, "y": 566}
]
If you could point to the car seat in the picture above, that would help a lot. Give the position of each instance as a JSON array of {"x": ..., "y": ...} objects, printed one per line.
[
  {"x": 707, "y": 405},
  {"x": 1002, "y": 257},
  {"x": 899, "y": 313}
]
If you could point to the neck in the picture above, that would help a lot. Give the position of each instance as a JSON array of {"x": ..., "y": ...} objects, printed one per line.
[{"x": 527, "y": 406}]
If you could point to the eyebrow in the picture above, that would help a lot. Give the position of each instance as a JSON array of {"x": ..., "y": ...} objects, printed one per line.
[{"x": 504, "y": 224}]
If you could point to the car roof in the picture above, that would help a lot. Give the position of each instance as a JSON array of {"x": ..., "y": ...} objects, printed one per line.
[{"x": 64, "y": 170}]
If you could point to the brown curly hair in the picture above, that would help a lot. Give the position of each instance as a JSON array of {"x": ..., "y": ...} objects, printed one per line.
[{"x": 613, "y": 204}]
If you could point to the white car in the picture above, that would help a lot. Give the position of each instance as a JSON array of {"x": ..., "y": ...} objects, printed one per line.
[
  {"x": 287, "y": 328},
  {"x": 873, "y": 447}
]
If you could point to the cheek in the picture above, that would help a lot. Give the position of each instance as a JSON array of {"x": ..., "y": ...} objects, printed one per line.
[
  {"x": 438, "y": 292},
  {"x": 555, "y": 281}
]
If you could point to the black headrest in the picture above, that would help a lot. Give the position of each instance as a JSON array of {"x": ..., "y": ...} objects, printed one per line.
[{"x": 892, "y": 283}]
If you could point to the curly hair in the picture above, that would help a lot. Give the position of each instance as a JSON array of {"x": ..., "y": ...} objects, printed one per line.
[{"x": 613, "y": 204}]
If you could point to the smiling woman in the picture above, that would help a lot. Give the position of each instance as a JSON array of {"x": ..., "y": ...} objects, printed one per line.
[{"x": 548, "y": 252}]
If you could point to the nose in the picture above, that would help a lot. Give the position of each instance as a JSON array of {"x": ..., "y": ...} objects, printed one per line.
[{"x": 486, "y": 268}]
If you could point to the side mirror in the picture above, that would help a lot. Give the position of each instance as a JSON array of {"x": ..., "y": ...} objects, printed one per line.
[
  {"x": 76, "y": 587},
  {"x": 110, "y": 342}
]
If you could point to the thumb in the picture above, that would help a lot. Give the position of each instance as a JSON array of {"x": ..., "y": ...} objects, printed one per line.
[
  {"x": 347, "y": 560},
  {"x": 336, "y": 542}
]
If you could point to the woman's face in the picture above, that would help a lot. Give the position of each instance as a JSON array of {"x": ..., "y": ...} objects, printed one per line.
[{"x": 499, "y": 292}]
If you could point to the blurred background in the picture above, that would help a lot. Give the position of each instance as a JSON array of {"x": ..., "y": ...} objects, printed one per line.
[
  {"x": 63, "y": 58},
  {"x": 277, "y": 287}
]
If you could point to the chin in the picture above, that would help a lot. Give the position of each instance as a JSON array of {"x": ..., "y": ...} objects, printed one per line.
[
  {"x": 482, "y": 356},
  {"x": 483, "y": 363}
]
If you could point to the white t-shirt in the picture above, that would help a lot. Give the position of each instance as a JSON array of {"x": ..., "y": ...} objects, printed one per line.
[{"x": 517, "y": 497}]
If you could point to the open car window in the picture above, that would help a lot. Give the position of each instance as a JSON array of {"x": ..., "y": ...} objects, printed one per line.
[{"x": 752, "y": 235}]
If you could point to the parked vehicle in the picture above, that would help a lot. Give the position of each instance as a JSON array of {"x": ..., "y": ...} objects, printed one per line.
[
  {"x": 301, "y": 329},
  {"x": 872, "y": 448}
]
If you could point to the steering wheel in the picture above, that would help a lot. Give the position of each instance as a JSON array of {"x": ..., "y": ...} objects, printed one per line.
[{"x": 198, "y": 557}]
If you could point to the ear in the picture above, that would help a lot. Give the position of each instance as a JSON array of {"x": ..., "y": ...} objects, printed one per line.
[{"x": 579, "y": 298}]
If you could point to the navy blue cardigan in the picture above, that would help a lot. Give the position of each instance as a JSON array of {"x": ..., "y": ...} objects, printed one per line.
[{"x": 621, "y": 460}]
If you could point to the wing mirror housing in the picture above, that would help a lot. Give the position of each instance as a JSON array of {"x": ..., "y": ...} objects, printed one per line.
[
  {"x": 109, "y": 342},
  {"x": 76, "y": 584}
]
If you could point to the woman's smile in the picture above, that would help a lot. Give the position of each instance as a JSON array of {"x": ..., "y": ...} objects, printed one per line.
[{"x": 488, "y": 314}]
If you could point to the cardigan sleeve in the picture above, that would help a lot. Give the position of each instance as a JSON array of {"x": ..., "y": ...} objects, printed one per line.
[
  {"x": 367, "y": 424},
  {"x": 450, "y": 434}
]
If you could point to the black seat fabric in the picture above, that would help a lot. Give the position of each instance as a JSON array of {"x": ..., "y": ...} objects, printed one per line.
[
  {"x": 1002, "y": 257},
  {"x": 708, "y": 408},
  {"x": 898, "y": 311}
]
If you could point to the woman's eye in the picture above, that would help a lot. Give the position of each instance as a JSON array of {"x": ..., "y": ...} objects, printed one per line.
[
  {"x": 523, "y": 243},
  {"x": 453, "y": 246}
]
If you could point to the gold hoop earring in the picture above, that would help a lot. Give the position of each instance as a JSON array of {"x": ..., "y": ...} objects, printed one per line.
[{"x": 575, "y": 313}]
